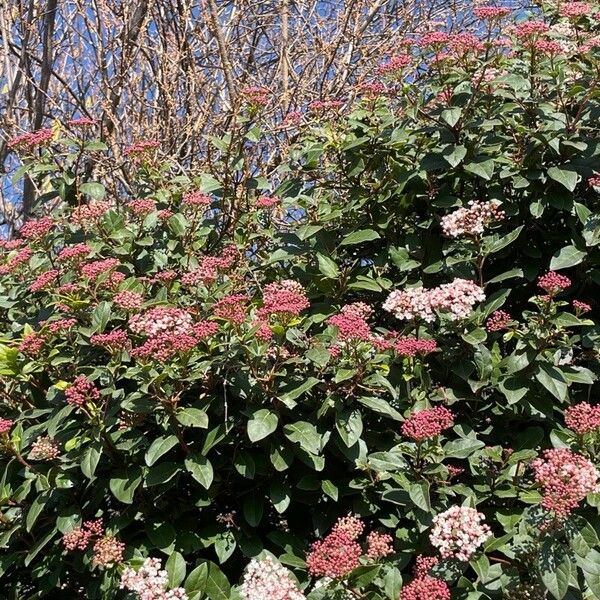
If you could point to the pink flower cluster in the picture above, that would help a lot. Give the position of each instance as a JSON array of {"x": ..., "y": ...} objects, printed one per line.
[
  {"x": 210, "y": 266},
  {"x": 284, "y": 299},
  {"x": 351, "y": 322},
  {"x": 395, "y": 65},
  {"x": 566, "y": 479},
  {"x": 44, "y": 448},
  {"x": 572, "y": 10},
  {"x": 456, "y": 299},
  {"x": 5, "y": 425},
  {"x": 108, "y": 550},
  {"x": 553, "y": 283},
  {"x": 410, "y": 346},
  {"x": 150, "y": 582},
  {"x": 424, "y": 586},
  {"x": 75, "y": 252},
  {"x": 82, "y": 390},
  {"x": 82, "y": 122},
  {"x": 583, "y": 418},
  {"x": 267, "y": 201},
  {"x": 581, "y": 307},
  {"x": 428, "y": 423},
  {"x": 86, "y": 213},
  {"x": 161, "y": 319},
  {"x": 196, "y": 199},
  {"x": 323, "y": 106},
  {"x": 498, "y": 321},
  {"x": 27, "y": 142},
  {"x": 472, "y": 220},
  {"x": 232, "y": 308},
  {"x": 60, "y": 325},
  {"x": 141, "y": 207},
  {"x": 44, "y": 279},
  {"x": 140, "y": 149},
  {"x": 491, "y": 12},
  {"x": 458, "y": 532},
  {"x": 339, "y": 552},
  {"x": 256, "y": 95},
  {"x": 113, "y": 340},
  {"x": 128, "y": 300},
  {"x": 379, "y": 545},
  {"x": 530, "y": 29},
  {"x": 37, "y": 229},
  {"x": 32, "y": 344},
  {"x": 94, "y": 269},
  {"x": 266, "y": 579},
  {"x": 14, "y": 262},
  {"x": 80, "y": 537}
]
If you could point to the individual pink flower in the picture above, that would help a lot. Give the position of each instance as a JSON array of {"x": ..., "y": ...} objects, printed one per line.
[
  {"x": 81, "y": 391},
  {"x": 87, "y": 214},
  {"x": 427, "y": 423},
  {"x": 583, "y": 418},
  {"x": 530, "y": 29},
  {"x": 499, "y": 320},
  {"x": 60, "y": 326},
  {"x": 573, "y": 10},
  {"x": 395, "y": 65},
  {"x": 410, "y": 346},
  {"x": 128, "y": 300},
  {"x": 14, "y": 262},
  {"x": 324, "y": 106},
  {"x": 256, "y": 95},
  {"x": 267, "y": 580},
  {"x": 458, "y": 532},
  {"x": 379, "y": 545},
  {"x": 80, "y": 537},
  {"x": 553, "y": 283},
  {"x": 566, "y": 479}
]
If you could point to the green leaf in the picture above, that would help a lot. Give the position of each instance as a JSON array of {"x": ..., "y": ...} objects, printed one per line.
[
  {"x": 327, "y": 266},
  {"x": 192, "y": 417},
  {"x": 452, "y": 115},
  {"x": 555, "y": 568},
  {"x": 483, "y": 167},
  {"x": 305, "y": 434},
  {"x": 280, "y": 495},
  {"x": 296, "y": 392},
  {"x": 175, "y": 567},
  {"x": 565, "y": 176},
  {"x": 454, "y": 155},
  {"x": 253, "y": 509},
  {"x": 551, "y": 378},
  {"x": 419, "y": 494},
  {"x": 217, "y": 586},
  {"x": 196, "y": 580},
  {"x": 178, "y": 224},
  {"x": 35, "y": 509},
  {"x": 158, "y": 448},
  {"x": 124, "y": 483},
  {"x": 200, "y": 468},
  {"x": 93, "y": 189},
  {"x": 330, "y": 489},
  {"x": 462, "y": 448},
  {"x": 90, "y": 459},
  {"x": 358, "y": 237},
  {"x": 382, "y": 407},
  {"x": 566, "y": 257},
  {"x": 262, "y": 424}
]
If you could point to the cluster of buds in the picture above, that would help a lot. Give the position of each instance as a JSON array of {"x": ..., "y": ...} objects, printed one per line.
[{"x": 473, "y": 220}]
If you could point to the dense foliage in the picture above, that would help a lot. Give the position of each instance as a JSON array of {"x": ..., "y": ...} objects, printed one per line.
[{"x": 372, "y": 378}]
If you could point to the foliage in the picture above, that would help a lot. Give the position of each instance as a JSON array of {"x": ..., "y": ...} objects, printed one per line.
[{"x": 217, "y": 370}]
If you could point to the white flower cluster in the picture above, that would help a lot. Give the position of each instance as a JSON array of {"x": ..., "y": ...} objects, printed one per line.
[
  {"x": 150, "y": 582},
  {"x": 456, "y": 299},
  {"x": 267, "y": 580},
  {"x": 458, "y": 532},
  {"x": 472, "y": 220}
]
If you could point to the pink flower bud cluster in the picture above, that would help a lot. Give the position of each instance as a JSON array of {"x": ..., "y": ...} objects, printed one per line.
[
  {"x": 76, "y": 252},
  {"x": 530, "y": 29},
  {"x": 94, "y": 269},
  {"x": 324, "y": 106},
  {"x": 210, "y": 266},
  {"x": 583, "y": 418},
  {"x": 594, "y": 181},
  {"x": 82, "y": 122},
  {"x": 141, "y": 207},
  {"x": 150, "y": 582},
  {"x": 27, "y": 142},
  {"x": 456, "y": 299},
  {"x": 395, "y": 65},
  {"x": 372, "y": 89},
  {"x": 553, "y": 282},
  {"x": 14, "y": 262},
  {"x": 232, "y": 308},
  {"x": 44, "y": 448},
  {"x": 266, "y": 579},
  {"x": 161, "y": 319},
  {"x": 54, "y": 327},
  {"x": 566, "y": 479},
  {"x": 37, "y": 229},
  {"x": 424, "y": 586},
  {"x": 108, "y": 550},
  {"x": 379, "y": 545},
  {"x": 339, "y": 552},
  {"x": 196, "y": 199},
  {"x": 458, "y": 532},
  {"x": 256, "y": 95},
  {"x": 139, "y": 149},
  {"x": 82, "y": 390},
  {"x": 284, "y": 299},
  {"x": 572, "y": 10},
  {"x": 491, "y": 12},
  {"x": 472, "y": 220},
  {"x": 581, "y": 307},
  {"x": 128, "y": 300},
  {"x": 32, "y": 344},
  {"x": 410, "y": 346},
  {"x": 6, "y": 425},
  {"x": 86, "y": 213},
  {"x": 549, "y": 47},
  {"x": 44, "y": 279},
  {"x": 427, "y": 423},
  {"x": 114, "y": 340},
  {"x": 351, "y": 322},
  {"x": 80, "y": 537},
  {"x": 498, "y": 321},
  {"x": 267, "y": 201}
]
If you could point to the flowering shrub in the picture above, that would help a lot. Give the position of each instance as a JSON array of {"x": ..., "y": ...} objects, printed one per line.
[{"x": 370, "y": 373}]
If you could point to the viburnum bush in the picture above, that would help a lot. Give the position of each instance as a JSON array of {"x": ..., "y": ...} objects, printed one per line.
[{"x": 371, "y": 375}]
